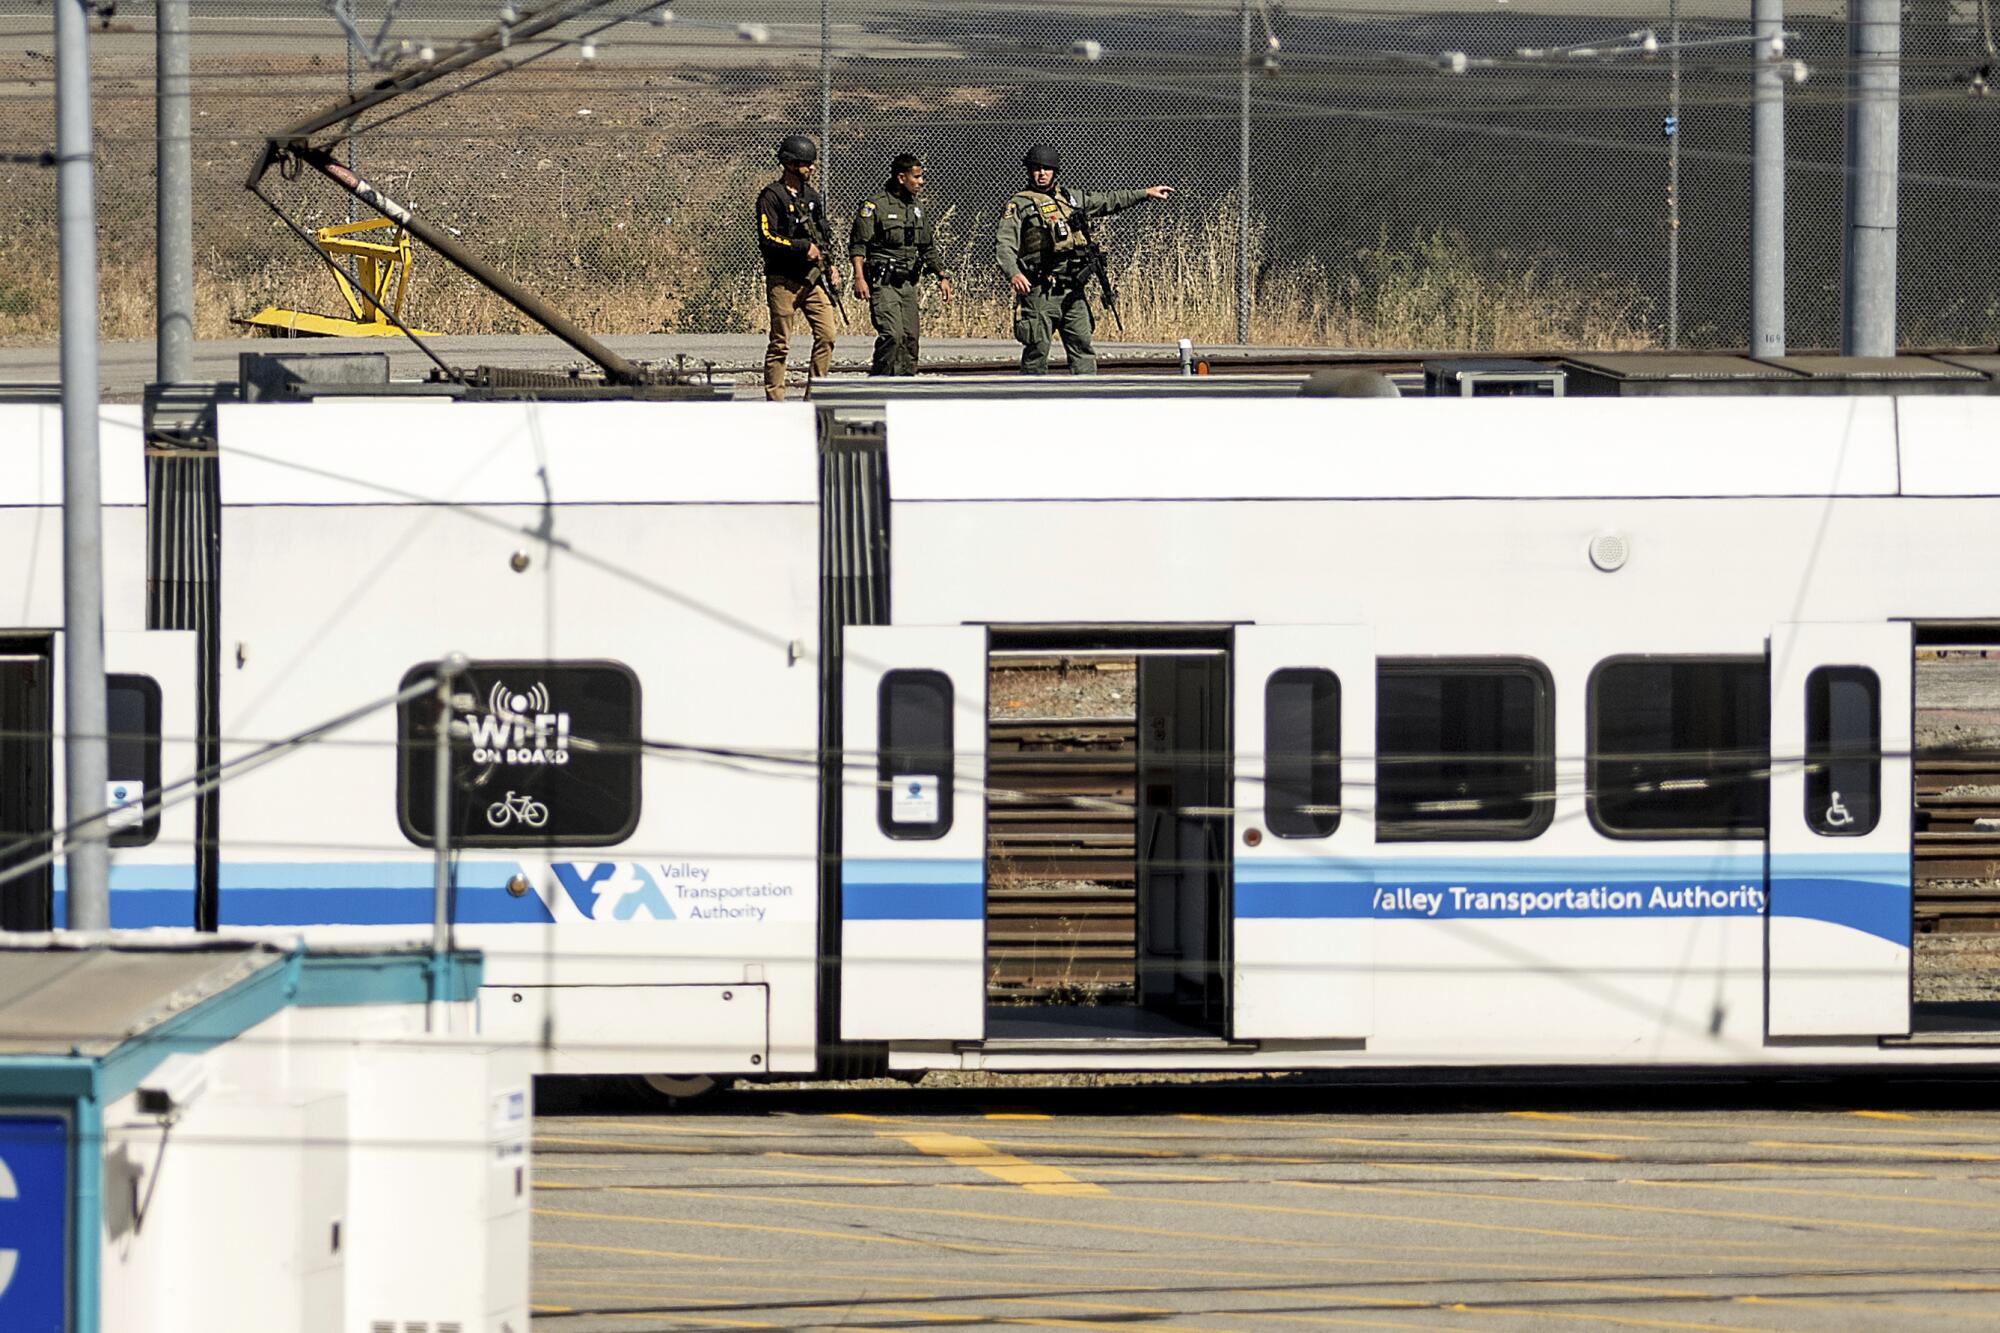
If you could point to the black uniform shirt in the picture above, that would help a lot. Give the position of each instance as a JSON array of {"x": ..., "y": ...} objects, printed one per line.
[{"x": 787, "y": 224}]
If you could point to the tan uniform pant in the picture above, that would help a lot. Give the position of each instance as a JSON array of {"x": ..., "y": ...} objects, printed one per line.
[{"x": 789, "y": 298}]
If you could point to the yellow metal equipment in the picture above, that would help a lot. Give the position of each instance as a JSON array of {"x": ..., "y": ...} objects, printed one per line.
[{"x": 384, "y": 273}]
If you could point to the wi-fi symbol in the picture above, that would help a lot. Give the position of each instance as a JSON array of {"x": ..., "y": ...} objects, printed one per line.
[{"x": 517, "y": 703}]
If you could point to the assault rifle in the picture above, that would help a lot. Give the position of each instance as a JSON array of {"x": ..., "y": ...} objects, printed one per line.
[{"x": 1091, "y": 256}]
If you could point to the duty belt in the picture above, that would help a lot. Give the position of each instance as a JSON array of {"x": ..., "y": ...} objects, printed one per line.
[{"x": 881, "y": 272}]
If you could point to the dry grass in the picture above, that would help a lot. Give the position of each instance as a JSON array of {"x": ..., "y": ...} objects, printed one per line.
[{"x": 637, "y": 226}]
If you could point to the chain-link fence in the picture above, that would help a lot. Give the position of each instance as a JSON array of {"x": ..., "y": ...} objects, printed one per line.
[{"x": 1375, "y": 193}]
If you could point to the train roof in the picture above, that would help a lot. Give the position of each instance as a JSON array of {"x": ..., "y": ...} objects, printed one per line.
[{"x": 1443, "y": 448}]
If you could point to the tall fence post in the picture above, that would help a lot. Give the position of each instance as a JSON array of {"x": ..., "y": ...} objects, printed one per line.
[
  {"x": 1874, "y": 48},
  {"x": 1767, "y": 182},
  {"x": 1243, "y": 187},
  {"x": 85, "y": 745},
  {"x": 826, "y": 99},
  {"x": 1673, "y": 129},
  {"x": 173, "y": 349}
]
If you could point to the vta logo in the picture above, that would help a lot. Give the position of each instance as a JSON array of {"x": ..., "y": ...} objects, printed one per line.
[{"x": 611, "y": 891}]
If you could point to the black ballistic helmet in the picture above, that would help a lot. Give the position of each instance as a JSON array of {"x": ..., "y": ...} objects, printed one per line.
[
  {"x": 797, "y": 149},
  {"x": 1041, "y": 155}
]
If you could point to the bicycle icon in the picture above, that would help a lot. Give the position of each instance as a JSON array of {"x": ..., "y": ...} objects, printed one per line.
[{"x": 523, "y": 809}]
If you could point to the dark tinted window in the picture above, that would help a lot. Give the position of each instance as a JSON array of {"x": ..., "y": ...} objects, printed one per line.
[
  {"x": 914, "y": 755},
  {"x": 1843, "y": 751},
  {"x": 549, "y": 754},
  {"x": 1680, "y": 747},
  {"x": 132, "y": 712},
  {"x": 1302, "y": 753},
  {"x": 1463, "y": 750}
]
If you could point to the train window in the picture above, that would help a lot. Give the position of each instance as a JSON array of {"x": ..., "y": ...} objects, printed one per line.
[
  {"x": 914, "y": 754},
  {"x": 1680, "y": 747},
  {"x": 1302, "y": 752},
  {"x": 1465, "y": 749},
  {"x": 549, "y": 755},
  {"x": 1843, "y": 751},
  {"x": 132, "y": 712}
]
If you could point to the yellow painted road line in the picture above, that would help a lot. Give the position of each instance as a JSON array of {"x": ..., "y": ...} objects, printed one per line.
[
  {"x": 1651, "y": 1210},
  {"x": 1988, "y": 1205},
  {"x": 952, "y": 1125},
  {"x": 1033, "y": 1177},
  {"x": 1443, "y": 1146},
  {"x": 1901, "y": 1150},
  {"x": 1017, "y": 1115},
  {"x": 1882, "y": 1115},
  {"x": 853, "y": 1237}
]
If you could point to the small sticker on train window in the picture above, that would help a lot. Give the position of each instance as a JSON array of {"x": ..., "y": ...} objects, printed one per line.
[
  {"x": 124, "y": 804},
  {"x": 914, "y": 799}
]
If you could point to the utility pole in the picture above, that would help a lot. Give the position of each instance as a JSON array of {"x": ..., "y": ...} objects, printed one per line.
[
  {"x": 1767, "y": 181},
  {"x": 1243, "y": 188},
  {"x": 85, "y": 744},
  {"x": 174, "y": 201},
  {"x": 1874, "y": 48}
]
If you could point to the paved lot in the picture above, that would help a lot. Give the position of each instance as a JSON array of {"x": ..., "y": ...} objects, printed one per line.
[{"x": 1794, "y": 1205}]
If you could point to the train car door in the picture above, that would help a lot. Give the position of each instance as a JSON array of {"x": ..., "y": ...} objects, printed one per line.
[
  {"x": 1838, "y": 916},
  {"x": 913, "y": 834},
  {"x": 26, "y": 781},
  {"x": 1304, "y": 796}
]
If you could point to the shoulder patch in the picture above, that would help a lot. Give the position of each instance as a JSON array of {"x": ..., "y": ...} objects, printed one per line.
[{"x": 868, "y": 209}]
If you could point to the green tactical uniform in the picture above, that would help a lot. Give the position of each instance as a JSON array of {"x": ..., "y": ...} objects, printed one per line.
[
  {"x": 895, "y": 237},
  {"x": 1036, "y": 231}
]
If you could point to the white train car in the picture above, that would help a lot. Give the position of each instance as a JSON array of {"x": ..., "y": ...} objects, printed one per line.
[
  {"x": 1498, "y": 684},
  {"x": 1465, "y": 732},
  {"x": 635, "y": 823},
  {"x": 150, "y": 684}
]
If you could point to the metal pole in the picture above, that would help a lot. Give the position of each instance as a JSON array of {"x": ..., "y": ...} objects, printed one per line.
[
  {"x": 1243, "y": 188},
  {"x": 354, "y": 17},
  {"x": 1674, "y": 175},
  {"x": 1767, "y": 183},
  {"x": 85, "y": 744},
  {"x": 441, "y": 815},
  {"x": 826, "y": 99},
  {"x": 174, "y": 205},
  {"x": 1874, "y": 47}
]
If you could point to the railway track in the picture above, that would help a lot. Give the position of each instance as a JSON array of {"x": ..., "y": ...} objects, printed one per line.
[{"x": 1060, "y": 847}]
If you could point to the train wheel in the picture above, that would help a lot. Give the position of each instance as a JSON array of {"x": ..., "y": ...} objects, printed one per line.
[{"x": 669, "y": 1090}]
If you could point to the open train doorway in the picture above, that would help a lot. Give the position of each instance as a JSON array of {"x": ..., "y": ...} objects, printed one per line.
[
  {"x": 1108, "y": 837},
  {"x": 1956, "y": 953}
]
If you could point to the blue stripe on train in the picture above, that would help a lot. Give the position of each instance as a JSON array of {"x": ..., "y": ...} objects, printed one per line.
[
  {"x": 322, "y": 893},
  {"x": 916, "y": 890}
]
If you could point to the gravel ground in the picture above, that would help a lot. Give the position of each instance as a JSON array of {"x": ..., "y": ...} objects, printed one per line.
[
  {"x": 1958, "y": 967},
  {"x": 1106, "y": 688}
]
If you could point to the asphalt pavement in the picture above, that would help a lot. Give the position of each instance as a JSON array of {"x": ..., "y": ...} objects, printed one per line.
[{"x": 1764, "y": 1205}]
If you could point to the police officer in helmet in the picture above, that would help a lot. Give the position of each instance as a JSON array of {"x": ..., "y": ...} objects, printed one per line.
[
  {"x": 1040, "y": 249},
  {"x": 892, "y": 244},
  {"x": 792, "y": 235}
]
